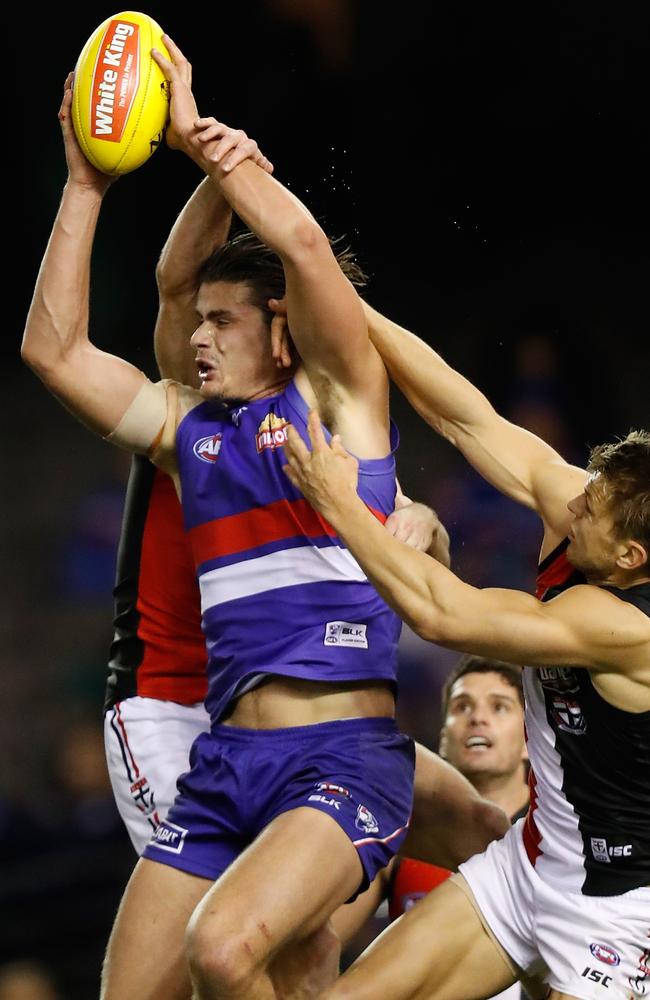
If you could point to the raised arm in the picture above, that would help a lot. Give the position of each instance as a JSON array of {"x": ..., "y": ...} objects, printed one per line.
[
  {"x": 324, "y": 312},
  {"x": 584, "y": 627},
  {"x": 202, "y": 226},
  {"x": 97, "y": 387},
  {"x": 515, "y": 461}
]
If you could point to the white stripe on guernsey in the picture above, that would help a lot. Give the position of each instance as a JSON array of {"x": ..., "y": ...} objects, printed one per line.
[
  {"x": 562, "y": 859},
  {"x": 379, "y": 840},
  {"x": 286, "y": 568}
]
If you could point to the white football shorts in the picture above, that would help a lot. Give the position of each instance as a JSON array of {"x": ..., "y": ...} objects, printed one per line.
[
  {"x": 589, "y": 947},
  {"x": 147, "y": 747}
]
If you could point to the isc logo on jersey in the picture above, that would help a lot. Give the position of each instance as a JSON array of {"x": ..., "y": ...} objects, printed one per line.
[
  {"x": 272, "y": 433},
  {"x": 208, "y": 448}
]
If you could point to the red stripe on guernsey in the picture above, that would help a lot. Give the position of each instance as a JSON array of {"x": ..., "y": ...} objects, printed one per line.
[
  {"x": 260, "y": 526},
  {"x": 532, "y": 836},
  {"x": 173, "y": 667},
  {"x": 136, "y": 769},
  {"x": 558, "y": 572}
]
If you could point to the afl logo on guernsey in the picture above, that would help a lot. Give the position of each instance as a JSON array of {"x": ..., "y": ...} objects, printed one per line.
[{"x": 208, "y": 448}]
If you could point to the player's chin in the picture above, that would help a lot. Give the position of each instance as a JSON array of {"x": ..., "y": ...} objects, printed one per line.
[{"x": 210, "y": 387}]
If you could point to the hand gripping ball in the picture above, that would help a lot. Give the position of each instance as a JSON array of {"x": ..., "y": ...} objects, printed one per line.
[{"x": 120, "y": 100}]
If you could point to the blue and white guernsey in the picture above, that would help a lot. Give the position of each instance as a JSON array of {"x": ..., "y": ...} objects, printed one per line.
[{"x": 280, "y": 594}]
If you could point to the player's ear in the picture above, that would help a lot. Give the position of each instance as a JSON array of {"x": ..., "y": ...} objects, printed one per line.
[
  {"x": 442, "y": 743},
  {"x": 631, "y": 555}
]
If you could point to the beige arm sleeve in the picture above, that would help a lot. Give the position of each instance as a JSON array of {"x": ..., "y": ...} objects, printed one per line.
[
  {"x": 142, "y": 422},
  {"x": 149, "y": 424}
]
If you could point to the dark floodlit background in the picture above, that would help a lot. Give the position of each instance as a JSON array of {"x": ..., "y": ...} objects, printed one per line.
[{"x": 489, "y": 168}]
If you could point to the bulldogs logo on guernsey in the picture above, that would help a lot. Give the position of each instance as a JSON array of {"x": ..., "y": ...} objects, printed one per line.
[
  {"x": 589, "y": 830},
  {"x": 271, "y": 571},
  {"x": 272, "y": 433}
]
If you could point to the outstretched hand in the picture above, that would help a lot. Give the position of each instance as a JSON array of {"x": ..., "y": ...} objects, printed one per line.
[
  {"x": 419, "y": 526},
  {"x": 80, "y": 170},
  {"x": 205, "y": 140},
  {"x": 327, "y": 475}
]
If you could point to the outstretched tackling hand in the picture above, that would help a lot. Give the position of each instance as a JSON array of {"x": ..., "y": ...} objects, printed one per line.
[
  {"x": 205, "y": 140},
  {"x": 419, "y": 526},
  {"x": 327, "y": 475},
  {"x": 80, "y": 170}
]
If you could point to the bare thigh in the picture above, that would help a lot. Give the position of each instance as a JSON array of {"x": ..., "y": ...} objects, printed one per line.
[
  {"x": 282, "y": 889},
  {"x": 145, "y": 959},
  {"x": 439, "y": 950}
]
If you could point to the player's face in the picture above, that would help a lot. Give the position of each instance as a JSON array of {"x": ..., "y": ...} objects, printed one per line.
[
  {"x": 232, "y": 343},
  {"x": 592, "y": 544},
  {"x": 484, "y": 727}
]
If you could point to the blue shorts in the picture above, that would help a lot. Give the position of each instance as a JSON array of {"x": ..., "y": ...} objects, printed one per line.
[{"x": 358, "y": 771}]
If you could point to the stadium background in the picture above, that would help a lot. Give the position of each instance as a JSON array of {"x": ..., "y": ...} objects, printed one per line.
[{"x": 489, "y": 168}]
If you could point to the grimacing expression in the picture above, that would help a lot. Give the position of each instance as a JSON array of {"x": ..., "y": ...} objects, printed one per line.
[
  {"x": 593, "y": 546},
  {"x": 483, "y": 731},
  {"x": 232, "y": 343}
]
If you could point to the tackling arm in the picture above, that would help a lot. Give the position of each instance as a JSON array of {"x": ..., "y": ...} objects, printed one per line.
[
  {"x": 202, "y": 226},
  {"x": 324, "y": 312},
  {"x": 515, "y": 461},
  {"x": 584, "y": 627}
]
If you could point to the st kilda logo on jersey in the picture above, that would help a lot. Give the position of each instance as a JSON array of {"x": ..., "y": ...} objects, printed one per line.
[
  {"x": 560, "y": 683},
  {"x": 208, "y": 448}
]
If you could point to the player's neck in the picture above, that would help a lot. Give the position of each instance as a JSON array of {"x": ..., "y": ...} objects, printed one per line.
[{"x": 509, "y": 791}]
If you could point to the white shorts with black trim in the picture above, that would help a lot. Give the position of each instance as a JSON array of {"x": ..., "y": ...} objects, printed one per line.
[
  {"x": 148, "y": 745},
  {"x": 589, "y": 947}
]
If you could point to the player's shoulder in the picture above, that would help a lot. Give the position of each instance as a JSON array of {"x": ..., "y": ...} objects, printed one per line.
[{"x": 181, "y": 398}]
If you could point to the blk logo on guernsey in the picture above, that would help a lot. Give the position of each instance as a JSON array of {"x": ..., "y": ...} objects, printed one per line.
[
  {"x": 345, "y": 634},
  {"x": 208, "y": 448}
]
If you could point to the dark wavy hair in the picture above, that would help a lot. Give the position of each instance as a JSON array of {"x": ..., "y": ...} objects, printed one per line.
[{"x": 244, "y": 258}]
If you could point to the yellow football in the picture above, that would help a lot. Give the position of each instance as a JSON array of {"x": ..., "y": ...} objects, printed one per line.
[{"x": 120, "y": 98}]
